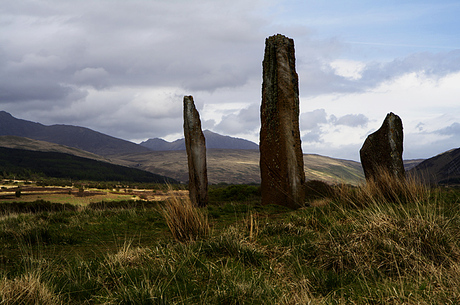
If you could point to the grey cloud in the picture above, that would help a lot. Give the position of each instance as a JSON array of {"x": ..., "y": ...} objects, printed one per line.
[
  {"x": 451, "y": 130},
  {"x": 420, "y": 126},
  {"x": 208, "y": 124},
  {"x": 246, "y": 121},
  {"x": 95, "y": 77},
  {"x": 135, "y": 43},
  {"x": 156, "y": 43},
  {"x": 144, "y": 129},
  {"x": 18, "y": 89},
  {"x": 311, "y": 123},
  {"x": 311, "y": 120},
  {"x": 313, "y": 136},
  {"x": 54, "y": 53},
  {"x": 129, "y": 124}
]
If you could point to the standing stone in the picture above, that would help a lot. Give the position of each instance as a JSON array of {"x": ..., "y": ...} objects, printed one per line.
[
  {"x": 281, "y": 158},
  {"x": 383, "y": 150},
  {"x": 195, "y": 145}
]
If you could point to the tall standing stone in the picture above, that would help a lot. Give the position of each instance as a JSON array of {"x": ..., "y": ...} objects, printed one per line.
[
  {"x": 383, "y": 150},
  {"x": 281, "y": 158},
  {"x": 195, "y": 145}
]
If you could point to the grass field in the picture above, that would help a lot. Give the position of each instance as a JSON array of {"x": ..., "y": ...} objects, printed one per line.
[
  {"x": 81, "y": 197},
  {"x": 351, "y": 246}
]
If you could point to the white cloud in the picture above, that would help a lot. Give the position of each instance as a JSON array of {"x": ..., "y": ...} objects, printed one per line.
[
  {"x": 350, "y": 69},
  {"x": 414, "y": 97},
  {"x": 352, "y": 120}
]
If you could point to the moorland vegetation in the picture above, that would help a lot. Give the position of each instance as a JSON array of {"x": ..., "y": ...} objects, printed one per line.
[{"x": 356, "y": 245}]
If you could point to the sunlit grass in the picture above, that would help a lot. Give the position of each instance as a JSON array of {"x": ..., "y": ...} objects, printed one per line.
[
  {"x": 27, "y": 289},
  {"x": 95, "y": 196}
]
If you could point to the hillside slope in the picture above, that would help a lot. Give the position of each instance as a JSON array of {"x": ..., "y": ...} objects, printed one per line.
[
  {"x": 36, "y": 145},
  {"x": 442, "y": 169},
  {"x": 72, "y": 136},
  {"x": 28, "y": 163},
  {"x": 240, "y": 166}
]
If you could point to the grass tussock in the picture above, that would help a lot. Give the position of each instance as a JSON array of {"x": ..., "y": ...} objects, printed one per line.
[
  {"x": 128, "y": 256},
  {"x": 27, "y": 289},
  {"x": 185, "y": 221},
  {"x": 385, "y": 188}
]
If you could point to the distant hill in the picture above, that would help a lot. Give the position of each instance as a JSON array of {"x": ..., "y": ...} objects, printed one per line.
[
  {"x": 158, "y": 144},
  {"x": 443, "y": 169},
  {"x": 28, "y": 163},
  {"x": 410, "y": 164},
  {"x": 36, "y": 145},
  {"x": 241, "y": 166},
  {"x": 72, "y": 136},
  {"x": 213, "y": 141}
]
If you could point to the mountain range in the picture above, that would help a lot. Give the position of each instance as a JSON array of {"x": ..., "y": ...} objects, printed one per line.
[
  {"x": 230, "y": 160},
  {"x": 104, "y": 145},
  {"x": 72, "y": 136},
  {"x": 213, "y": 140}
]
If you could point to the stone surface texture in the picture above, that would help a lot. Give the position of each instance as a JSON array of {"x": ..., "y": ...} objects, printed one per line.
[
  {"x": 382, "y": 150},
  {"x": 281, "y": 158},
  {"x": 195, "y": 145}
]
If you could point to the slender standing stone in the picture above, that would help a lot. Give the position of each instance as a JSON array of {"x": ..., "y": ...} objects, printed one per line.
[
  {"x": 281, "y": 158},
  {"x": 195, "y": 145},
  {"x": 382, "y": 150}
]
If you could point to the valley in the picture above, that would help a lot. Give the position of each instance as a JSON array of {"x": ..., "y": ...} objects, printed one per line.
[{"x": 234, "y": 166}]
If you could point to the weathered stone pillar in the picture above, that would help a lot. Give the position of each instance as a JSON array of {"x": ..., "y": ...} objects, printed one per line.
[
  {"x": 281, "y": 158},
  {"x": 382, "y": 150},
  {"x": 195, "y": 145}
]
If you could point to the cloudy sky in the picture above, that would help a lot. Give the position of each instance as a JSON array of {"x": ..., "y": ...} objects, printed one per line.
[{"x": 123, "y": 67}]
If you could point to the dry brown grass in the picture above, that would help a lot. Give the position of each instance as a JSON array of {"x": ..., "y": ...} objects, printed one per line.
[
  {"x": 129, "y": 255},
  {"x": 385, "y": 188},
  {"x": 185, "y": 221},
  {"x": 27, "y": 289}
]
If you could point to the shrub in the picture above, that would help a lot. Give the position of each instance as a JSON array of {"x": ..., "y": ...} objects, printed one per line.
[
  {"x": 235, "y": 193},
  {"x": 122, "y": 204}
]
